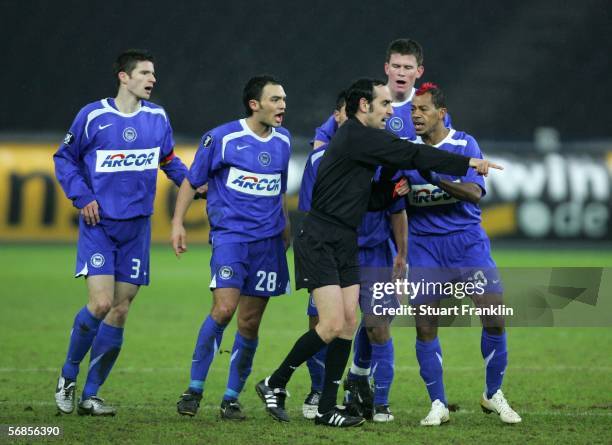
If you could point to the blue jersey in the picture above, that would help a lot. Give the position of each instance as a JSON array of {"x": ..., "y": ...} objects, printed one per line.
[
  {"x": 246, "y": 177},
  {"x": 375, "y": 227},
  {"x": 327, "y": 129},
  {"x": 432, "y": 211},
  {"x": 112, "y": 157},
  {"x": 400, "y": 123}
]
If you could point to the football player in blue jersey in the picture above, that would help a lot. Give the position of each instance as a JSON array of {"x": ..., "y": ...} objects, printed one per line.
[
  {"x": 403, "y": 66},
  {"x": 107, "y": 165},
  {"x": 445, "y": 237},
  {"x": 245, "y": 165},
  {"x": 373, "y": 342}
]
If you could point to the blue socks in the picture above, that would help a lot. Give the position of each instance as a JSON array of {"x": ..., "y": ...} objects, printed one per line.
[
  {"x": 382, "y": 371},
  {"x": 429, "y": 356},
  {"x": 495, "y": 355},
  {"x": 362, "y": 355},
  {"x": 316, "y": 368},
  {"x": 84, "y": 330},
  {"x": 207, "y": 345},
  {"x": 104, "y": 352},
  {"x": 240, "y": 365}
]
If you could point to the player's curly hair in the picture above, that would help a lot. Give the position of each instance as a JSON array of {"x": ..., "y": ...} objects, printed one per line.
[{"x": 362, "y": 88}]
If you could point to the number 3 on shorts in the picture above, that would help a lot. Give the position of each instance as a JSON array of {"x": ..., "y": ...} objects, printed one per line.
[
  {"x": 135, "y": 268},
  {"x": 269, "y": 278}
]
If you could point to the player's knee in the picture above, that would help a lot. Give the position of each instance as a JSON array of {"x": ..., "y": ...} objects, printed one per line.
[
  {"x": 101, "y": 305},
  {"x": 249, "y": 326},
  {"x": 379, "y": 334},
  {"x": 223, "y": 313},
  {"x": 118, "y": 314},
  {"x": 494, "y": 330},
  {"x": 427, "y": 333}
]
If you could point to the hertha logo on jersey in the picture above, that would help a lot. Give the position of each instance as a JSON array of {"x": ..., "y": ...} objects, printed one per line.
[
  {"x": 111, "y": 161},
  {"x": 254, "y": 183},
  {"x": 423, "y": 195}
]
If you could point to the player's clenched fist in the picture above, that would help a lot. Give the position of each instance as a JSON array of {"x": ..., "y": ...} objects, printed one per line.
[{"x": 482, "y": 166}]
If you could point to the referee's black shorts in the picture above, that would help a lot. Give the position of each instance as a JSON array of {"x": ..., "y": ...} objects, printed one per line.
[{"x": 325, "y": 254}]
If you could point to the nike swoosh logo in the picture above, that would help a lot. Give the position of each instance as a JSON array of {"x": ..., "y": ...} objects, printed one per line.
[
  {"x": 102, "y": 127},
  {"x": 429, "y": 384},
  {"x": 240, "y": 147}
]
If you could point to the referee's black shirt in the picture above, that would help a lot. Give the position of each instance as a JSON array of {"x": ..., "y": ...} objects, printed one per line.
[{"x": 343, "y": 190}]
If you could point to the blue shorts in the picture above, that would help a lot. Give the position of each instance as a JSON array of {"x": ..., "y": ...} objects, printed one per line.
[
  {"x": 463, "y": 257},
  {"x": 258, "y": 268},
  {"x": 375, "y": 264},
  {"x": 115, "y": 247}
]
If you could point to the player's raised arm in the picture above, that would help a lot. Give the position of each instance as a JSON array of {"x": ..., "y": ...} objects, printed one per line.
[{"x": 183, "y": 201}]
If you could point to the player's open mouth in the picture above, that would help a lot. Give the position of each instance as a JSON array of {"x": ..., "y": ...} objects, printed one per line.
[
  {"x": 418, "y": 125},
  {"x": 400, "y": 82},
  {"x": 148, "y": 89},
  {"x": 279, "y": 118}
]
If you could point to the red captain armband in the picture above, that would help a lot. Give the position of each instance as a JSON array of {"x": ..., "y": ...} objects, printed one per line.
[
  {"x": 398, "y": 185},
  {"x": 168, "y": 158}
]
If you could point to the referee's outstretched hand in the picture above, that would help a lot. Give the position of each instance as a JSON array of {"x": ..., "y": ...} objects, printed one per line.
[{"x": 482, "y": 166}]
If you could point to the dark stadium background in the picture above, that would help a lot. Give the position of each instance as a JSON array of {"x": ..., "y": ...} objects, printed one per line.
[{"x": 507, "y": 67}]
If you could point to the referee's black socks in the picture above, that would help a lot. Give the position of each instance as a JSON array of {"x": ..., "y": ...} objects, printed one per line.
[
  {"x": 307, "y": 345},
  {"x": 338, "y": 352}
]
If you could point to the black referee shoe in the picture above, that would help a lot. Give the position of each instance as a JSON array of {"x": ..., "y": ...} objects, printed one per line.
[
  {"x": 274, "y": 399},
  {"x": 338, "y": 418}
]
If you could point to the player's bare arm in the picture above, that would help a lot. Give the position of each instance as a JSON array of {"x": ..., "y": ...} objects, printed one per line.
[
  {"x": 464, "y": 191},
  {"x": 399, "y": 226},
  {"x": 178, "y": 236}
]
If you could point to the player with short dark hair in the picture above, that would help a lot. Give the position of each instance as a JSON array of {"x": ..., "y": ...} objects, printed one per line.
[
  {"x": 245, "y": 164},
  {"x": 446, "y": 240},
  {"x": 107, "y": 165},
  {"x": 326, "y": 247}
]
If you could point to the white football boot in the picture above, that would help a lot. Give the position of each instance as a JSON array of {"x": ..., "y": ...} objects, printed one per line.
[
  {"x": 499, "y": 405},
  {"x": 438, "y": 414}
]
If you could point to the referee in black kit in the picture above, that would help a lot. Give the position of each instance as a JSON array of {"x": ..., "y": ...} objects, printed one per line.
[{"x": 326, "y": 248}]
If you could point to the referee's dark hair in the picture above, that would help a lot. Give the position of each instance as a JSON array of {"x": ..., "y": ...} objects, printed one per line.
[
  {"x": 362, "y": 88},
  {"x": 127, "y": 61},
  {"x": 253, "y": 89}
]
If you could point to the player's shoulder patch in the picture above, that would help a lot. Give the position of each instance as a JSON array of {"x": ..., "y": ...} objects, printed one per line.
[
  {"x": 69, "y": 138},
  {"x": 207, "y": 140}
]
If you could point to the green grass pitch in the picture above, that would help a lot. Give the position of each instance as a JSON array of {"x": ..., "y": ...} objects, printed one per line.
[{"x": 558, "y": 379}]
